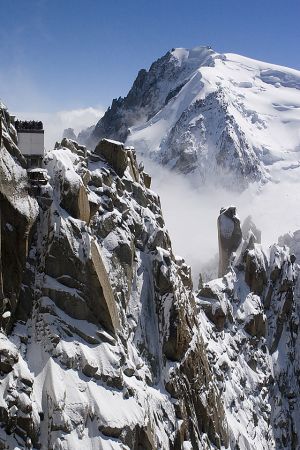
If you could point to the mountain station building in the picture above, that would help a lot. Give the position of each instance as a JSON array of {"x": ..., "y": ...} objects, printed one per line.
[{"x": 31, "y": 141}]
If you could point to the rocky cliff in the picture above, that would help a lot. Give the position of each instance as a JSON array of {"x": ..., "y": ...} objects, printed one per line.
[{"x": 104, "y": 344}]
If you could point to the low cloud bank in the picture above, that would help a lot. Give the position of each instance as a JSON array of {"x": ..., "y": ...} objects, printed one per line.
[{"x": 191, "y": 214}]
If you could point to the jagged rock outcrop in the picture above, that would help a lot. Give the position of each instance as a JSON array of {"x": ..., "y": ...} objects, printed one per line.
[
  {"x": 114, "y": 153},
  {"x": 229, "y": 237},
  {"x": 71, "y": 184},
  {"x": 250, "y": 232},
  {"x": 253, "y": 311},
  {"x": 18, "y": 213}
]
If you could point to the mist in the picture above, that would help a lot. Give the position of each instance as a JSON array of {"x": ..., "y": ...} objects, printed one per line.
[{"x": 191, "y": 214}]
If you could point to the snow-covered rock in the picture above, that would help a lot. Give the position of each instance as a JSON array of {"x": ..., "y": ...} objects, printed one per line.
[
  {"x": 107, "y": 345},
  {"x": 251, "y": 342},
  {"x": 229, "y": 237},
  {"x": 103, "y": 339}
]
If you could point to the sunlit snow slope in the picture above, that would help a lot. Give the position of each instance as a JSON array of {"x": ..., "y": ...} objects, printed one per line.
[{"x": 235, "y": 113}]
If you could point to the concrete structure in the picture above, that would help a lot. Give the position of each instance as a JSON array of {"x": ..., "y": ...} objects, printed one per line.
[{"x": 31, "y": 141}]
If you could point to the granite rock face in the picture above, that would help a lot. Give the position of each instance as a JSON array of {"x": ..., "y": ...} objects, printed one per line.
[
  {"x": 114, "y": 153},
  {"x": 229, "y": 236},
  {"x": 18, "y": 216}
]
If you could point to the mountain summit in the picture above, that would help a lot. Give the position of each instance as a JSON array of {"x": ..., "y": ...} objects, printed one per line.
[{"x": 212, "y": 116}]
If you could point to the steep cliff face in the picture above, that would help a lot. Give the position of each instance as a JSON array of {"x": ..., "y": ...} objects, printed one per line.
[
  {"x": 18, "y": 214},
  {"x": 107, "y": 346}
]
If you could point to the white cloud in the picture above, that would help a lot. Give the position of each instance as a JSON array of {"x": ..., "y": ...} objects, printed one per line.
[
  {"x": 80, "y": 118},
  {"x": 191, "y": 215}
]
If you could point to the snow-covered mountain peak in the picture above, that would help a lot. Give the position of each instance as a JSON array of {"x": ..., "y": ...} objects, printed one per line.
[{"x": 211, "y": 115}]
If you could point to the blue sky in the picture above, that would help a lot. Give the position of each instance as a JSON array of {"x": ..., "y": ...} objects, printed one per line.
[{"x": 69, "y": 54}]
